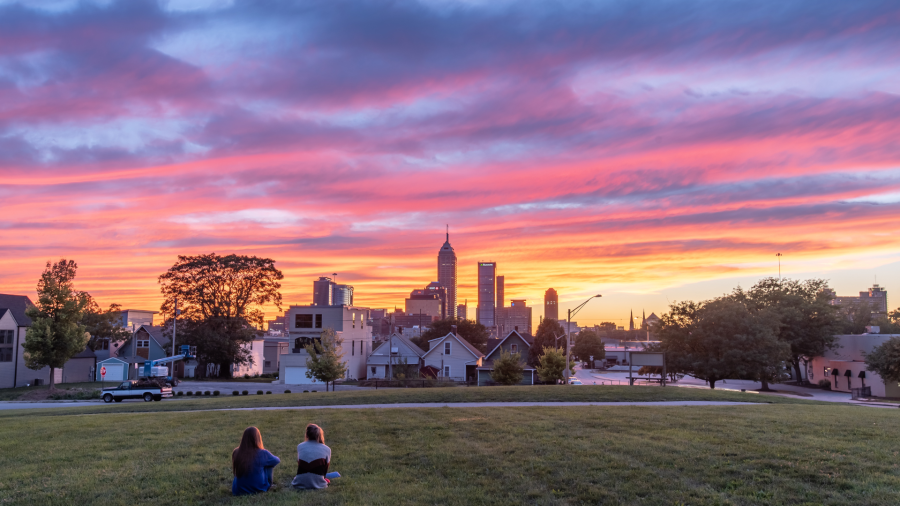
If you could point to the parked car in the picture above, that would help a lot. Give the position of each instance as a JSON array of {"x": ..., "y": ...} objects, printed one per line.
[
  {"x": 147, "y": 390},
  {"x": 575, "y": 382}
]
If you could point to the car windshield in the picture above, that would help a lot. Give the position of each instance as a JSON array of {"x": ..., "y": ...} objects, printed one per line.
[{"x": 125, "y": 385}]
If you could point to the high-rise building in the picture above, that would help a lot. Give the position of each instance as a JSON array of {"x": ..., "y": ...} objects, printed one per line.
[
  {"x": 426, "y": 302},
  {"x": 447, "y": 274},
  {"x": 515, "y": 317},
  {"x": 342, "y": 295},
  {"x": 875, "y": 297},
  {"x": 461, "y": 312},
  {"x": 323, "y": 291},
  {"x": 501, "y": 282},
  {"x": 551, "y": 304},
  {"x": 438, "y": 289},
  {"x": 487, "y": 288}
]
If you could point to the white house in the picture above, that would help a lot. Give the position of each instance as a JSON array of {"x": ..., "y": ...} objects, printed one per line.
[
  {"x": 306, "y": 323},
  {"x": 256, "y": 349},
  {"x": 845, "y": 366},
  {"x": 397, "y": 352},
  {"x": 13, "y": 326},
  {"x": 454, "y": 357}
]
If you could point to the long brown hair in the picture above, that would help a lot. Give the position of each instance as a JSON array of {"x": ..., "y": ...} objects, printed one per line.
[
  {"x": 243, "y": 456},
  {"x": 315, "y": 433}
]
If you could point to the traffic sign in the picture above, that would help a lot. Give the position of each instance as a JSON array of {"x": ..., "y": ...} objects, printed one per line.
[{"x": 103, "y": 372}]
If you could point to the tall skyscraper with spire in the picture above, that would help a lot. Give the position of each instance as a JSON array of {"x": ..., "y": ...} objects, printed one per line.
[{"x": 447, "y": 274}]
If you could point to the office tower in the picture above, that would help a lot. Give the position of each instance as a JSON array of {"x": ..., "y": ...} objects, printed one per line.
[
  {"x": 515, "y": 317},
  {"x": 427, "y": 302},
  {"x": 461, "y": 312},
  {"x": 551, "y": 304},
  {"x": 486, "y": 293},
  {"x": 437, "y": 289},
  {"x": 447, "y": 274},
  {"x": 342, "y": 295},
  {"x": 501, "y": 281},
  {"x": 323, "y": 292}
]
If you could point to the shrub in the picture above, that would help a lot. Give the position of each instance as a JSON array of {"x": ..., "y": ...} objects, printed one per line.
[
  {"x": 179, "y": 394},
  {"x": 189, "y": 393},
  {"x": 246, "y": 376},
  {"x": 245, "y": 392},
  {"x": 825, "y": 384},
  {"x": 206, "y": 392},
  {"x": 287, "y": 391},
  {"x": 259, "y": 392},
  {"x": 215, "y": 392},
  {"x": 305, "y": 391},
  {"x": 268, "y": 392},
  {"x": 235, "y": 392}
]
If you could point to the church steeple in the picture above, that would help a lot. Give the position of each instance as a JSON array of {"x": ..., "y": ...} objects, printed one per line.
[{"x": 631, "y": 321}]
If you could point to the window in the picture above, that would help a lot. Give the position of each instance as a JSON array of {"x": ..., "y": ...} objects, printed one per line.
[
  {"x": 7, "y": 336},
  {"x": 143, "y": 344},
  {"x": 446, "y": 348},
  {"x": 352, "y": 348},
  {"x": 318, "y": 321},
  {"x": 303, "y": 321},
  {"x": 103, "y": 344},
  {"x": 374, "y": 370},
  {"x": 446, "y": 371},
  {"x": 268, "y": 363},
  {"x": 6, "y": 354},
  {"x": 514, "y": 348}
]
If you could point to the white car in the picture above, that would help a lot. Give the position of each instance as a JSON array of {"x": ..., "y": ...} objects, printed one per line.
[
  {"x": 136, "y": 390},
  {"x": 575, "y": 382}
]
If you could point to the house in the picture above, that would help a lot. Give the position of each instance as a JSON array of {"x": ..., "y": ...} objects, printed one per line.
[
  {"x": 150, "y": 342},
  {"x": 13, "y": 326},
  {"x": 305, "y": 325},
  {"x": 454, "y": 357},
  {"x": 844, "y": 366},
  {"x": 513, "y": 343},
  {"x": 256, "y": 350},
  {"x": 79, "y": 368},
  {"x": 397, "y": 354}
]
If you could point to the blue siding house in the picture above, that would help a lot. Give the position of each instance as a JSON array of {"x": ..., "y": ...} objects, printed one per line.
[{"x": 512, "y": 343}]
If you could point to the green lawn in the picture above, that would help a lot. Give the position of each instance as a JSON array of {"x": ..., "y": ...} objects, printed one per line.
[
  {"x": 12, "y": 394},
  {"x": 448, "y": 395},
  {"x": 754, "y": 454}
]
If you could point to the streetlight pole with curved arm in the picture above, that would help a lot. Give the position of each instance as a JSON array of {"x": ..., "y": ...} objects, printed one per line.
[{"x": 572, "y": 313}]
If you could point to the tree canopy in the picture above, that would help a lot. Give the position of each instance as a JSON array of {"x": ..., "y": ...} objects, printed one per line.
[
  {"x": 102, "y": 324},
  {"x": 806, "y": 321},
  {"x": 475, "y": 333},
  {"x": 508, "y": 369},
  {"x": 547, "y": 332},
  {"x": 884, "y": 360},
  {"x": 325, "y": 362},
  {"x": 720, "y": 339},
  {"x": 551, "y": 365},
  {"x": 56, "y": 333},
  {"x": 220, "y": 299},
  {"x": 588, "y": 344}
]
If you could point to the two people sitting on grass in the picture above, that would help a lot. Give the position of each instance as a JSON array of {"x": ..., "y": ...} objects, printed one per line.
[
  {"x": 252, "y": 465},
  {"x": 313, "y": 459}
]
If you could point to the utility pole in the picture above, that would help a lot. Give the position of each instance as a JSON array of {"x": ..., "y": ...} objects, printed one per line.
[
  {"x": 174, "y": 328},
  {"x": 569, "y": 333}
]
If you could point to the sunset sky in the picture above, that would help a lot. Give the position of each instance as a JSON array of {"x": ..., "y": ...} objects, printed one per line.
[{"x": 650, "y": 151}]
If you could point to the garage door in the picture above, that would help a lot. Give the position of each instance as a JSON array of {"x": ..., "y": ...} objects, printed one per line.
[{"x": 296, "y": 376}]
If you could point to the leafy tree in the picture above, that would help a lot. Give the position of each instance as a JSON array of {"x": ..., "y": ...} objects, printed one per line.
[
  {"x": 551, "y": 365},
  {"x": 55, "y": 334},
  {"x": 857, "y": 316},
  {"x": 325, "y": 362},
  {"x": 508, "y": 369},
  {"x": 806, "y": 320},
  {"x": 102, "y": 324},
  {"x": 890, "y": 323},
  {"x": 884, "y": 360},
  {"x": 720, "y": 339},
  {"x": 546, "y": 335},
  {"x": 220, "y": 300},
  {"x": 475, "y": 333},
  {"x": 607, "y": 326},
  {"x": 588, "y": 344}
]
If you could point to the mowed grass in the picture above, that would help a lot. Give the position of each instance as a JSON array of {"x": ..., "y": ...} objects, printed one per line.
[
  {"x": 754, "y": 454},
  {"x": 547, "y": 393}
]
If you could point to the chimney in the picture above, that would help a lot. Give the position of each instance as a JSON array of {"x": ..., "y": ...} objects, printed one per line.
[
  {"x": 400, "y": 330},
  {"x": 453, "y": 330},
  {"x": 517, "y": 328}
]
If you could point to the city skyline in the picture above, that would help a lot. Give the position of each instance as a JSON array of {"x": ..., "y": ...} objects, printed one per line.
[{"x": 651, "y": 155}]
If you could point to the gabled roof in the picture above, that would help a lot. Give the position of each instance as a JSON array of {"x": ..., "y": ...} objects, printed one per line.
[
  {"x": 16, "y": 304},
  {"x": 497, "y": 346},
  {"x": 155, "y": 332},
  {"x": 466, "y": 344},
  {"x": 87, "y": 353},
  {"x": 403, "y": 339}
]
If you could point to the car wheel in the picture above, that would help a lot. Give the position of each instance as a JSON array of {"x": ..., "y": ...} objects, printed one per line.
[
  {"x": 107, "y": 398},
  {"x": 118, "y": 400},
  {"x": 148, "y": 397}
]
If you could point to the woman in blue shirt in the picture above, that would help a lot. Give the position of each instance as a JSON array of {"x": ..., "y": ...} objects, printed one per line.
[{"x": 252, "y": 464}]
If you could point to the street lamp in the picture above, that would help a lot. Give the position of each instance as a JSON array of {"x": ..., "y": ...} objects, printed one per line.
[{"x": 569, "y": 332}]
